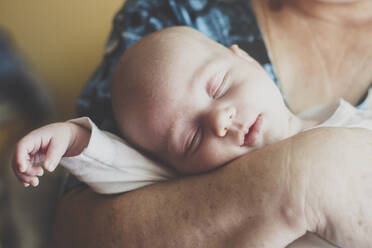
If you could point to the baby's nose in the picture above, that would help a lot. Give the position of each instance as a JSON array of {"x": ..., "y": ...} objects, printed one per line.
[{"x": 221, "y": 120}]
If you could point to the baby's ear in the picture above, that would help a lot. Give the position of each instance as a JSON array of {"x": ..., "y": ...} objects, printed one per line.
[{"x": 235, "y": 49}]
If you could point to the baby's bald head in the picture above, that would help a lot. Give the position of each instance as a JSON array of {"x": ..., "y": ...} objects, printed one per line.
[
  {"x": 191, "y": 102},
  {"x": 150, "y": 62}
]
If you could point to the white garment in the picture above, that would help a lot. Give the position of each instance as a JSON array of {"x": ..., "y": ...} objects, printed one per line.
[{"x": 109, "y": 165}]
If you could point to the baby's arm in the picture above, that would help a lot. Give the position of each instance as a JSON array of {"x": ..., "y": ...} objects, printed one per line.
[
  {"x": 47, "y": 144},
  {"x": 109, "y": 165}
]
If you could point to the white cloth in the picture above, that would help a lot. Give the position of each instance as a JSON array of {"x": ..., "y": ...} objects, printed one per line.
[
  {"x": 109, "y": 165},
  {"x": 339, "y": 114}
]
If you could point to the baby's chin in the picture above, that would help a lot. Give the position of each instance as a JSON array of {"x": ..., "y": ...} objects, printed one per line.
[
  {"x": 273, "y": 135},
  {"x": 268, "y": 139}
]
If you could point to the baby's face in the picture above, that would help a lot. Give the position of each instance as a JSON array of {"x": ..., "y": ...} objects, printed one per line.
[{"x": 197, "y": 105}]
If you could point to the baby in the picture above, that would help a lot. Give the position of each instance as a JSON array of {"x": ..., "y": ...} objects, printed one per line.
[{"x": 187, "y": 102}]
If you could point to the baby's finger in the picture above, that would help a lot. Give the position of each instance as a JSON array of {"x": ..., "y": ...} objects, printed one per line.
[
  {"x": 26, "y": 178},
  {"x": 22, "y": 163},
  {"x": 35, "y": 181},
  {"x": 39, "y": 171},
  {"x": 34, "y": 171},
  {"x": 54, "y": 154},
  {"x": 22, "y": 157},
  {"x": 37, "y": 158},
  {"x": 16, "y": 169}
]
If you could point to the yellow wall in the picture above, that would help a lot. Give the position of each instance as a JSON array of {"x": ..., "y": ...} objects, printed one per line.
[{"x": 63, "y": 41}]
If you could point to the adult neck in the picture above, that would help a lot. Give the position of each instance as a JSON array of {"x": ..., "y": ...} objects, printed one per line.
[{"x": 339, "y": 12}]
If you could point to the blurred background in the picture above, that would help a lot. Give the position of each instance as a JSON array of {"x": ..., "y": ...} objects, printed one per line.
[{"x": 48, "y": 50}]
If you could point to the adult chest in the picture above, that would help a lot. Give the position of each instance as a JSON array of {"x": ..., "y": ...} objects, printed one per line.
[{"x": 317, "y": 61}]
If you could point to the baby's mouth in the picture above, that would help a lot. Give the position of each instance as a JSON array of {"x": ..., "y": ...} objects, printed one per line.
[{"x": 254, "y": 129}]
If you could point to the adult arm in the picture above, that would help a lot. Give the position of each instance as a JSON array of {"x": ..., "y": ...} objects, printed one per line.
[
  {"x": 339, "y": 192},
  {"x": 247, "y": 203},
  {"x": 267, "y": 198}
]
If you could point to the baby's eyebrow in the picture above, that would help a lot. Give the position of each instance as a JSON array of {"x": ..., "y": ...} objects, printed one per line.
[{"x": 207, "y": 70}]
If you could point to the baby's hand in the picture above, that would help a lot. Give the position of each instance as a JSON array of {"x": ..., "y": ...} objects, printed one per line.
[{"x": 47, "y": 144}]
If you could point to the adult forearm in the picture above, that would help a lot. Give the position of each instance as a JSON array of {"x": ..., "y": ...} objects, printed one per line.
[
  {"x": 339, "y": 191},
  {"x": 253, "y": 202},
  {"x": 318, "y": 181}
]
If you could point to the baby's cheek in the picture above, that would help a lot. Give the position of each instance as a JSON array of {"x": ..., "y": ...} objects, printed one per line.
[
  {"x": 214, "y": 159},
  {"x": 211, "y": 155}
]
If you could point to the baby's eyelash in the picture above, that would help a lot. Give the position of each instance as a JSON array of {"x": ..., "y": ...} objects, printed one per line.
[
  {"x": 220, "y": 90},
  {"x": 196, "y": 138}
]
